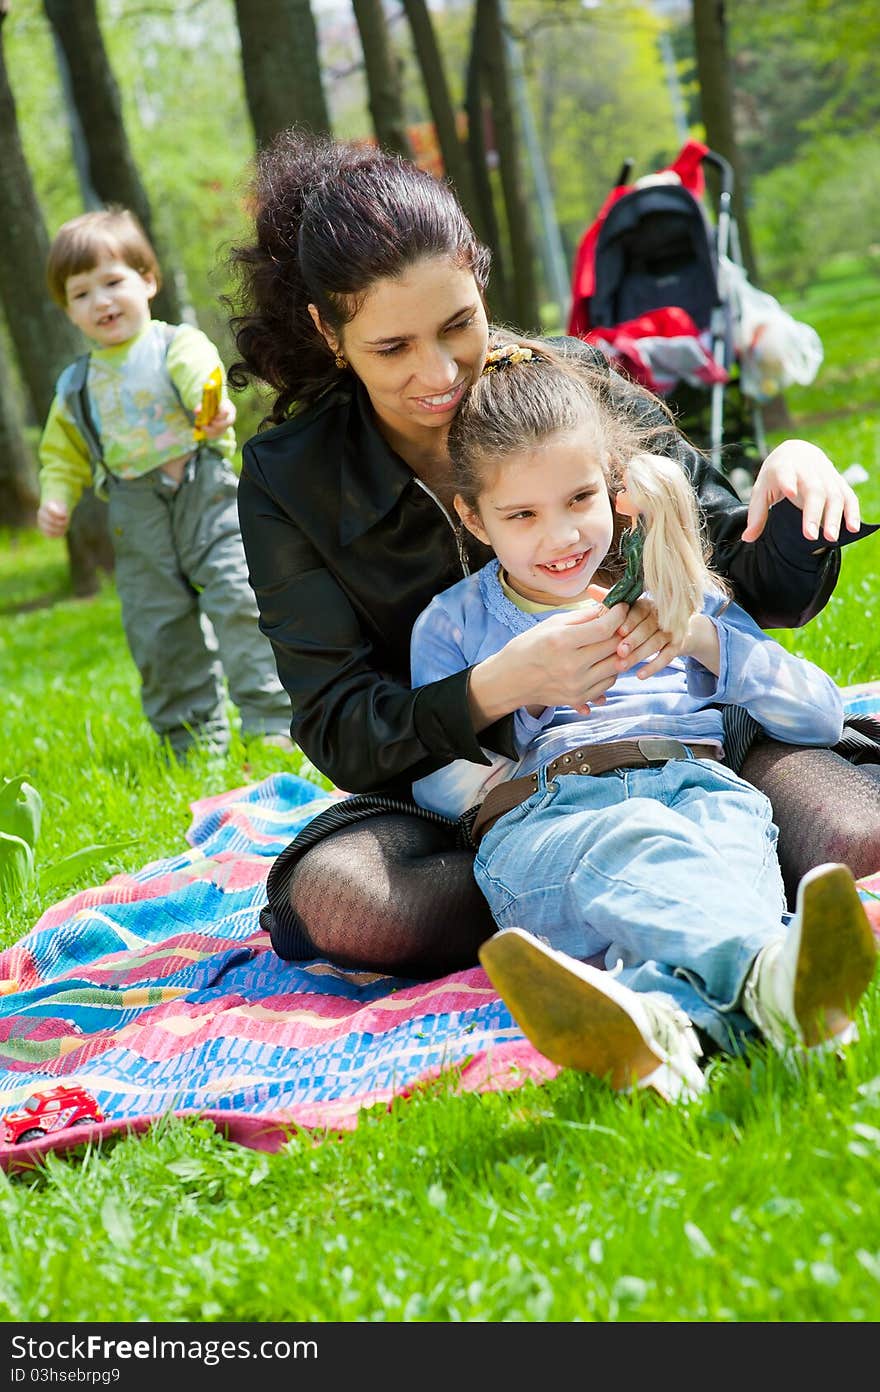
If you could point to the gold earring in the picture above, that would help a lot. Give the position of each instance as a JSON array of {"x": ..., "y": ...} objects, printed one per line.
[{"x": 341, "y": 361}]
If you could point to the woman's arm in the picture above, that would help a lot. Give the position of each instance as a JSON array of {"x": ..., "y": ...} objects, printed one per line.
[
  {"x": 362, "y": 729},
  {"x": 443, "y": 643},
  {"x": 780, "y": 576}
]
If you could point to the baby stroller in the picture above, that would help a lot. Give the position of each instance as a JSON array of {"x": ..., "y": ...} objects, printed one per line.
[{"x": 649, "y": 287}]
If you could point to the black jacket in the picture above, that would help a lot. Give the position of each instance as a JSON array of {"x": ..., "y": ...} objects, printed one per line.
[{"x": 345, "y": 547}]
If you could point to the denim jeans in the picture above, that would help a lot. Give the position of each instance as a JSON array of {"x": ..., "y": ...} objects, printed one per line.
[{"x": 671, "y": 870}]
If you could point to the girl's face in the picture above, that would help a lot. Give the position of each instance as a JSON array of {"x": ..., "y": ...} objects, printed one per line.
[
  {"x": 417, "y": 343},
  {"x": 547, "y": 515}
]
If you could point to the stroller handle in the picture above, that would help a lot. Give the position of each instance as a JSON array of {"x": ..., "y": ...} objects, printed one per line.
[
  {"x": 625, "y": 170},
  {"x": 724, "y": 167}
]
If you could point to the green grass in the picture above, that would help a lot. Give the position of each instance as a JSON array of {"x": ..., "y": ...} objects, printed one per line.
[{"x": 553, "y": 1203}]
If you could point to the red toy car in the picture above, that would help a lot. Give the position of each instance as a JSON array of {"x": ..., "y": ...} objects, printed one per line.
[{"x": 54, "y": 1109}]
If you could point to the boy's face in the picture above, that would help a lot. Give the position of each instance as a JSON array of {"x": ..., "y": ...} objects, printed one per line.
[{"x": 111, "y": 302}]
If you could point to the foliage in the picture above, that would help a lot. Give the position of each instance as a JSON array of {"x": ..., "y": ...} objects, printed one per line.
[
  {"x": 796, "y": 72},
  {"x": 21, "y": 812},
  {"x": 592, "y": 113},
  {"x": 833, "y": 44},
  {"x": 817, "y": 208}
]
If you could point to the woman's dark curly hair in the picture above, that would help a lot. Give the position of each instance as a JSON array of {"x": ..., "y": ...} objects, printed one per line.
[{"x": 330, "y": 219}]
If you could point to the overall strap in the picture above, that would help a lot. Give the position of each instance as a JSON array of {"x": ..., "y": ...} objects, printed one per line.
[{"x": 76, "y": 399}]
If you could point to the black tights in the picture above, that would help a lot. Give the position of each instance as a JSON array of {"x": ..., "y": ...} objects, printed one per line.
[
  {"x": 826, "y": 808},
  {"x": 394, "y": 894}
]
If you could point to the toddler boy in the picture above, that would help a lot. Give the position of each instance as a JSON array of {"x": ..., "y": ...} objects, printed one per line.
[{"x": 124, "y": 418}]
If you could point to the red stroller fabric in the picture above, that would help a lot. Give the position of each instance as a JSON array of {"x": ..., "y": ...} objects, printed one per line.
[{"x": 663, "y": 346}]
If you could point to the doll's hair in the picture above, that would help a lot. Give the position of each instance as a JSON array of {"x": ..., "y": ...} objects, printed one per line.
[
  {"x": 528, "y": 393},
  {"x": 330, "y": 219},
  {"x": 677, "y": 571},
  {"x": 80, "y": 243}
]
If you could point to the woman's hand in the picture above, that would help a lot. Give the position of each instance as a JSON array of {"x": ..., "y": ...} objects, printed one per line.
[
  {"x": 805, "y": 475},
  {"x": 567, "y": 660}
]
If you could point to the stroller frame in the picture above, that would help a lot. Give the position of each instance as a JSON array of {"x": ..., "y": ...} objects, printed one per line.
[{"x": 624, "y": 286}]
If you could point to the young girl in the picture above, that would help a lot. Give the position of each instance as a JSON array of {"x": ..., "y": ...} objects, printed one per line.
[{"x": 618, "y": 829}]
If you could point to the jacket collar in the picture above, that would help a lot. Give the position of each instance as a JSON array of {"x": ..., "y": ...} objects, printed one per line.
[{"x": 372, "y": 476}]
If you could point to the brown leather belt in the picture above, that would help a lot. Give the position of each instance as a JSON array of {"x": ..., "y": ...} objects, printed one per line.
[{"x": 587, "y": 758}]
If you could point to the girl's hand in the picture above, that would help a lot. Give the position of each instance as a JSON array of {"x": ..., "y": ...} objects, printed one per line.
[
  {"x": 221, "y": 421},
  {"x": 641, "y": 639},
  {"x": 703, "y": 644},
  {"x": 805, "y": 475},
  {"x": 53, "y": 519}
]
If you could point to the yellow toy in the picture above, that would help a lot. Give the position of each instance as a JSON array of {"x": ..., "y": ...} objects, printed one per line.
[{"x": 210, "y": 404}]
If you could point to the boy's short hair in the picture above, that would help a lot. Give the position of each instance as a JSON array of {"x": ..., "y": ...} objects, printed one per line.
[{"x": 79, "y": 244}]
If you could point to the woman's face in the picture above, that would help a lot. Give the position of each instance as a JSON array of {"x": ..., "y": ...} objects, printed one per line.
[{"x": 417, "y": 343}]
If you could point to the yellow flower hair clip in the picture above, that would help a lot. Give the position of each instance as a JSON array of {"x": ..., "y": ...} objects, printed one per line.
[{"x": 506, "y": 355}]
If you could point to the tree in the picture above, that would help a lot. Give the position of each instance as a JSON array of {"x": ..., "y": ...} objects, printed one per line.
[
  {"x": 486, "y": 223},
  {"x": 281, "y": 66},
  {"x": 716, "y": 102},
  {"x": 112, "y": 171},
  {"x": 455, "y": 162},
  {"x": 43, "y": 338},
  {"x": 383, "y": 77},
  {"x": 716, "y": 106},
  {"x": 18, "y": 485},
  {"x": 495, "y": 62}
]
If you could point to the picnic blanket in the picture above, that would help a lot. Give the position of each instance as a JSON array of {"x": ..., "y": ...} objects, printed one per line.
[{"x": 158, "y": 993}]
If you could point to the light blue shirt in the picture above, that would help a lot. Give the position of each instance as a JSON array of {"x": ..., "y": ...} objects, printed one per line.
[{"x": 795, "y": 701}]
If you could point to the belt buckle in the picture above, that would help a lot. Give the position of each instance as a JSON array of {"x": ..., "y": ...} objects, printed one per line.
[{"x": 657, "y": 749}]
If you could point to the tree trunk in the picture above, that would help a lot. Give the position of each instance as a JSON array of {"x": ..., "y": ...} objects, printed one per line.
[
  {"x": 383, "y": 78},
  {"x": 43, "y": 338},
  {"x": 18, "y": 479},
  {"x": 455, "y": 163},
  {"x": 495, "y": 62},
  {"x": 112, "y": 171},
  {"x": 487, "y": 222},
  {"x": 282, "y": 67},
  {"x": 716, "y": 108}
]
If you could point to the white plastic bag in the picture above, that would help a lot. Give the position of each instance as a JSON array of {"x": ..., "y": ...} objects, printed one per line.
[{"x": 774, "y": 350}]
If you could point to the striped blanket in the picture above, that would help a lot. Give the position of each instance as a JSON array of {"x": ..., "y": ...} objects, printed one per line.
[{"x": 157, "y": 993}]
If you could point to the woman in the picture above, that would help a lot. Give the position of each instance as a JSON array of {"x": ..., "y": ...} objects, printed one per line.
[{"x": 362, "y": 306}]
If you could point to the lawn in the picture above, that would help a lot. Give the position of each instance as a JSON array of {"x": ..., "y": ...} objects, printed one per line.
[{"x": 554, "y": 1203}]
